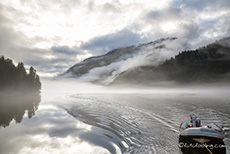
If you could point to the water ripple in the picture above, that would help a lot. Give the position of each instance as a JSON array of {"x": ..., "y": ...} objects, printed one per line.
[{"x": 131, "y": 129}]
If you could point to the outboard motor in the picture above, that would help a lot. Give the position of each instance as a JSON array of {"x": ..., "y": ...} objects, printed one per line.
[{"x": 198, "y": 122}]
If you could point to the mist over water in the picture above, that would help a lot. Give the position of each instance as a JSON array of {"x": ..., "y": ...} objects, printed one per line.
[
  {"x": 75, "y": 117},
  {"x": 73, "y": 86}
]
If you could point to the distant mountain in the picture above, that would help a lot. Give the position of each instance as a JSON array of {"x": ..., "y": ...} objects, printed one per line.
[
  {"x": 207, "y": 64},
  {"x": 150, "y": 62},
  {"x": 106, "y": 68}
]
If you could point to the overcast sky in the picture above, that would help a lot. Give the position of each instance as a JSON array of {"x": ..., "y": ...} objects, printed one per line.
[{"x": 53, "y": 35}]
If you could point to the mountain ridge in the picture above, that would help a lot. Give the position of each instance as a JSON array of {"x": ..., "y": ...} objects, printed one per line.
[
  {"x": 207, "y": 64},
  {"x": 119, "y": 60},
  {"x": 150, "y": 62}
]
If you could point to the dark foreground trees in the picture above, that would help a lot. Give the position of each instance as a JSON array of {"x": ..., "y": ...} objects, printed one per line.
[{"x": 16, "y": 78}]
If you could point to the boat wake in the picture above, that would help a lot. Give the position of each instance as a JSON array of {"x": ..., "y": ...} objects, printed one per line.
[
  {"x": 135, "y": 124},
  {"x": 124, "y": 129}
]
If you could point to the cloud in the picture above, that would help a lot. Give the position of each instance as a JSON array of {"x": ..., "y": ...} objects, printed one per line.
[
  {"x": 171, "y": 14},
  {"x": 63, "y": 6},
  {"x": 211, "y": 5},
  {"x": 195, "y": 26},
  {"x": 168, "y": 22},
  {"x": 61, "y": 33},
  {"x": 54, "y": 62},
  {"x": 46, "y": 61},
  {"x": 19, "y": 47},
  {"x": 65, "y": 50},
  {"x": 102, "y": 44}
]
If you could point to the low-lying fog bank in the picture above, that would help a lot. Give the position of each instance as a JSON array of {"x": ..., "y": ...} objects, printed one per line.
[{"x": 71, "y": 86}]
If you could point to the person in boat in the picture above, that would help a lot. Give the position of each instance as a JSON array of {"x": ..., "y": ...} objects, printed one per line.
[{"x": 195, "y": 122}]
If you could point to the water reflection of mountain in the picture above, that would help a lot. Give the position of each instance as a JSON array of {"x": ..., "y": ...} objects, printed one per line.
[{"x": 15, "y": 104}]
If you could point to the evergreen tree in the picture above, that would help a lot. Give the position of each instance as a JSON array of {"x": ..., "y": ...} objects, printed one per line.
[
  {"x": 38, "y": 82},
  {"x": 32, "y": 73},
  {"x": 12, "y": 77},
  {"x": 21, "y": 78},
  {"x": 34, "y": 79}
]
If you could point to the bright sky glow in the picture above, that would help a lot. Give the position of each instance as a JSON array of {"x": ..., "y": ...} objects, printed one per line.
[{"x": 169, "y": 27}]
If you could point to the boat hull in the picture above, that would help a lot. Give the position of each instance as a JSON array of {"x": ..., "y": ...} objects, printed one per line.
[
  {"x": 203, "y": 132},
  {"x": 206, "y": 139}
]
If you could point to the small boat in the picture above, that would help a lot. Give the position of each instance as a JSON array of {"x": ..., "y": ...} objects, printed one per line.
[
  {"x": 195, "y": 138},
  {"x": 211, "y": 131}
]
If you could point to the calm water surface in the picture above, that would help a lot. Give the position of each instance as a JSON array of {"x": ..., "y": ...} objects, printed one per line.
[{"x": 64, "y": 123}]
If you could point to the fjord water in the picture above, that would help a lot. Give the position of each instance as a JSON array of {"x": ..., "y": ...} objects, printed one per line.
[{"x": 103, "y": 121}]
